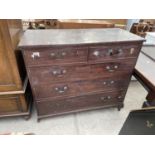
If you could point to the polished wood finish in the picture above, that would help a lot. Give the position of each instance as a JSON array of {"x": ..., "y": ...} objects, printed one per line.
[
  {"x": 52, "y": 74},
  {"x": 78, "y": 88},
  {"x": 9, "y": 74},
  {"x": 144, "y": 72},
  {"x": 77, "y": 70},
  {"x": 78, "y": 23},
  {"x": 13, "y": 82},
  {"x": 86, "y": 102},
  {"x": 14, "y": 105},
  {"x": 117, "y": 21}
]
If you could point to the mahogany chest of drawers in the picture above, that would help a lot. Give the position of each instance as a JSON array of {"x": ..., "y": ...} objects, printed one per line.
[{"x": 79, "y": 69}]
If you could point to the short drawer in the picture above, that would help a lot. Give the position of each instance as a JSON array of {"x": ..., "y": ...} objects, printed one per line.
[
  {"x": 52, "y": 74},
  {"x": 55, "y": 56},
  {"x": 103, "y": 53},
  {"x": 55, "y": 107},
  {"x": 80, "y": 87}
]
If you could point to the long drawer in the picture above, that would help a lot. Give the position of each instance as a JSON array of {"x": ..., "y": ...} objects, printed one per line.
[
  {"x": 56, "y": 107},
  {"x": 52, "y": 74},
  {"x": 46, "y": 56},
  {"x": 78, "y": 88}
]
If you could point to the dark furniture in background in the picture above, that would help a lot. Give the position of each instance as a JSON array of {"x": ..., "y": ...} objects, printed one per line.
[
  {"x": 144, "y": 26},
  {"x": 79, "y": 69},
  {"x": 139, "y": 122},
  {"x": 14, "y": 90},
  {"x": 145, "y": 73}
]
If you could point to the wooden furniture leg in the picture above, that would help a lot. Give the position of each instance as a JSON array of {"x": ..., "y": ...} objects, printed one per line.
[{"x": 150, "y": 99}]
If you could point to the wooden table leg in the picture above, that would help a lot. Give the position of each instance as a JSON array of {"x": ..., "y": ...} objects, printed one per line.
[{"x": 150, "y": 99}]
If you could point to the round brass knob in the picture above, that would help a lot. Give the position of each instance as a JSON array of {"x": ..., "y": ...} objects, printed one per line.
[
  {"x": 108, "y": 97},
  {"x": 65, "y": 87},
  {"x": 54, "y": 72},
  {"x": 115, "y": 66},
  {"x": 104, "y": 83},
  {"x": 102, "y": 98},
  {"x": 96, "y": 53},
  {"x": 120, "y": 50},
  {"x": 63, "y": 53},
  {"x": 52, "y": 54},
  {"x": 64, "y": 71},
  {"x": 112, "y": 82},
  {"x": 56, "y": 88},
  {"x": 107, "y": 67}
]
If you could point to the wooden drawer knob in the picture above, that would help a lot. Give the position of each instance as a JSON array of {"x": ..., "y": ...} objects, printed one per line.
[{"x": 96, "y": 53}]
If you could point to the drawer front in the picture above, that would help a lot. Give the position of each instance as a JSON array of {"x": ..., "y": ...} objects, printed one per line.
[
  {"x": 55, "y": 56},
  {"x": 80, "y": 103},
  {"x": 52, "y": 74},
  {"x": 79, "y": 87},
  {"x": 101, "y": 53},
  {"x": 9, "y": 103}
]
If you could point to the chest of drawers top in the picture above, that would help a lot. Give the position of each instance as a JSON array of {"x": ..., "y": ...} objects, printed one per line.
[{"x": 57, "y": 37}]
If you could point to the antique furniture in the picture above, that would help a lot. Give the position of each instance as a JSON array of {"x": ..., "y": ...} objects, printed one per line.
[
  {"x": 142, "y": 28},
  {"x": 14, "y": 91},
  {"x": 74, "y": 70},
  {"x": 145, "y": 73}
]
